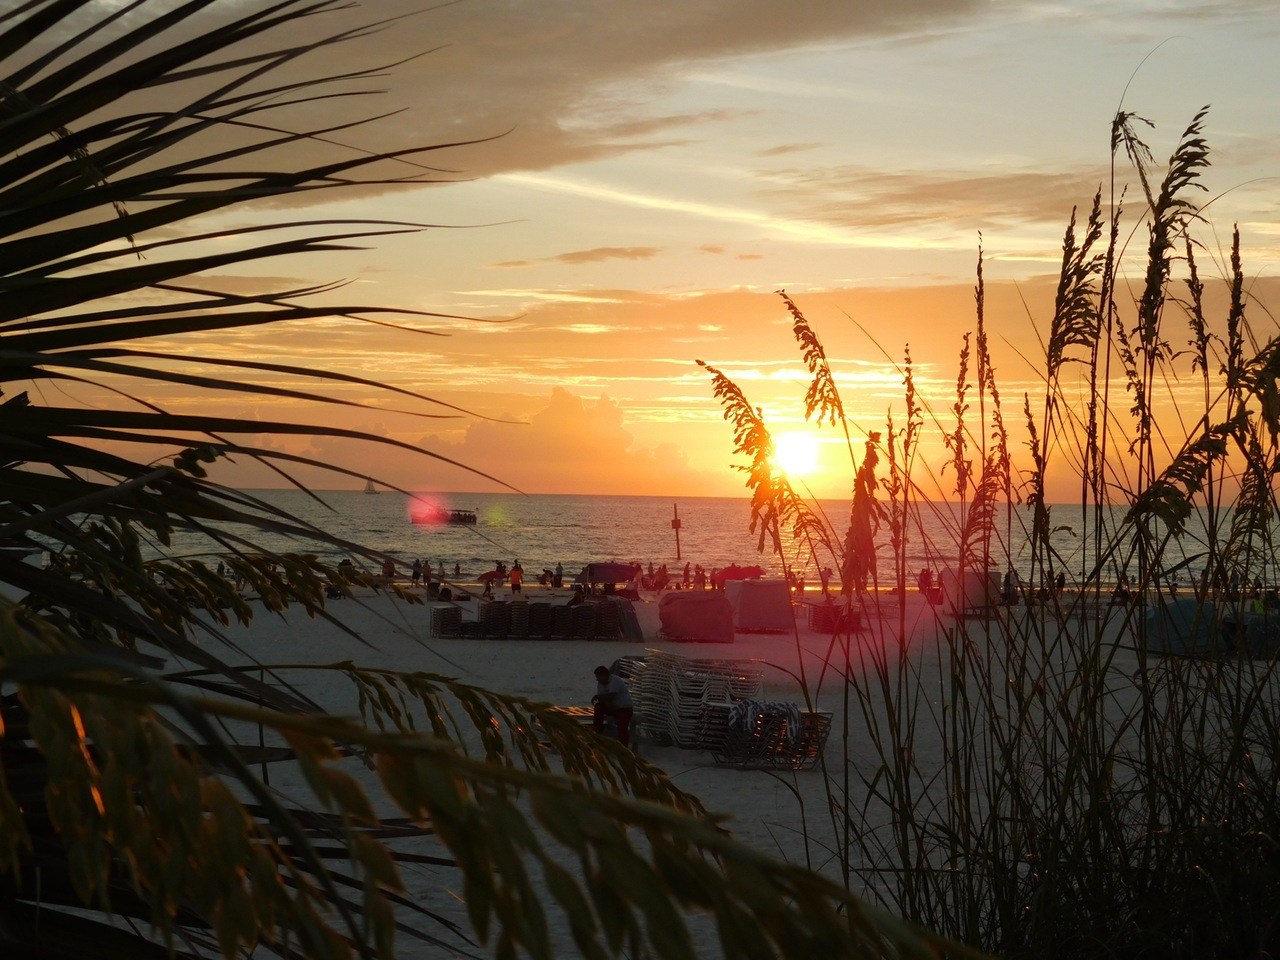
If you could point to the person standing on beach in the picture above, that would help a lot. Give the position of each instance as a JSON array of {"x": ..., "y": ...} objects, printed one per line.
[
  {"x": 1010, "y": 587},
  {"x": 517, "y": 579},
  {"x": 416, "y": 572},
  {"x": 557, "y": 579},
  {"x": 612, "y": 699},
  {"x": 825, "y": 576}
]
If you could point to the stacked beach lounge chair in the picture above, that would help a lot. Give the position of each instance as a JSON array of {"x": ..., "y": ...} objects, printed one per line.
[
  {"x": 773, "y": 735},
  {"x": 686, "y": 702},
  {"x": 608, "y": 618}
]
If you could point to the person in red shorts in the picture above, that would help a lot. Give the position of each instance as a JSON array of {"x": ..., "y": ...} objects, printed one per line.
[{"x": 612, "y": 699}]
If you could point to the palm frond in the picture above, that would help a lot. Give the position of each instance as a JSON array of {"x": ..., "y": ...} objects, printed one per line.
[{"x": 127, "y": 791}]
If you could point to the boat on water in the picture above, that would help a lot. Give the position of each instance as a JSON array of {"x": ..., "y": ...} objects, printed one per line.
[
  {"x": 369, "y": 487},
  {"x": 429, "y": 514}
]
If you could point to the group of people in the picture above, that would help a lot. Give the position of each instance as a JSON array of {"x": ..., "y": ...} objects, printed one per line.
[
  {"x": 513, "y": 576},
  {"x": 693, "y": 577},
  {"x": 420, "y": 571}
]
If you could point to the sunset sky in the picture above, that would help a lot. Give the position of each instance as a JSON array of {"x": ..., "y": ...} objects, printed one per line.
[{"x": 657, "y": 170}]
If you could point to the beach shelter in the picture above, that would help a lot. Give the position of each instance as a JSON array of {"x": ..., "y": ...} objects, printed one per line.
[
  {"x": 977, "y": 591},
  {"x": 1184, "y": 627},
  {"x": 734, "y": 572},
  {"x": 1251, "y": 634},
  {"x": 705, "y": 616},
  {"x": 1262, "y": 632},
  {"x": 760, "y": 606},
  {"x": 628, "y": 622},
  {"x": 609, "y": 572}
]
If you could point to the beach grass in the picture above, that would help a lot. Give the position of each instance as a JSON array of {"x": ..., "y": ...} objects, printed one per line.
[{"x": 1106, "y": 783}]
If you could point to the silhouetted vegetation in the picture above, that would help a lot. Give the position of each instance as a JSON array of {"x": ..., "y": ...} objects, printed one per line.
[{"x": 1104, "y": 778}]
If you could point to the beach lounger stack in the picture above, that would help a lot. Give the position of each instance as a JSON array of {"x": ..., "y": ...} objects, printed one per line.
[
  {"x": 629, "y": 669},
  {"x": 495, "y": 620},
  {"x": 777, "y": 736},
  {"x": 562, "y": 623},
  {"x": 540, "y": 620},
  {"x": 446, "y": 621},
  {"x": 833, "y": 618},
  {"x": 608, "y": 623},
  {"x": 519, "y": 628},
  {"x": 686, "y": 702},
  {"x": 584, "y": 621}
]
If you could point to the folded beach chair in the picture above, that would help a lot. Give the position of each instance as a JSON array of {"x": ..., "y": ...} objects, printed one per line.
[{"x": 773, "y": 735}]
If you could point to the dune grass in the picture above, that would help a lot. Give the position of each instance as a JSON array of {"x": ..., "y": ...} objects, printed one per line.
[{"x": 1094, "y": 795}]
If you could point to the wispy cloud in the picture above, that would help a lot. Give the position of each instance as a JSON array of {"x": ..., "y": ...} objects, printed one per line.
[
  {"x": 796, "y": 229},
  {"x": 596, "y": 255},
  {"x": 857, "y": 198},
  {"x": 555, "y": 296},
  {"x": 786, "y": 148}
]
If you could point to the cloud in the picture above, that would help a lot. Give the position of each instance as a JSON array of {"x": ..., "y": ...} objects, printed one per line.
[
  {"x": 853, "y": 197},
  {"x": 608, "y": 253},
  {"x": 542, "y": 62},
  {"x": 555, "y": 83},
  {"x": 573, "y": 445},
  {"x": 787, "y": 148},
  {"x": 596, "y": 255}
]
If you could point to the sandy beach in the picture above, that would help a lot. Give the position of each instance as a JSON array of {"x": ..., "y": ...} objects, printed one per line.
[
  {"x": 935, "y": 703},
  {"x": 768, "y": 809}
]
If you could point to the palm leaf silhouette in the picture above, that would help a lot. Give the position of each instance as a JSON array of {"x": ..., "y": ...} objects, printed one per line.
[{"x": 136, "y": 818}]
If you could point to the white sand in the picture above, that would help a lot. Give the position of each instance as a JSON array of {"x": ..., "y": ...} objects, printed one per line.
[{"x": 762, "y": 807}]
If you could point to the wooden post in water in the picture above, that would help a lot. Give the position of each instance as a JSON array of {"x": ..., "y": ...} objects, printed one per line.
[{"x": 675, "y": 525}]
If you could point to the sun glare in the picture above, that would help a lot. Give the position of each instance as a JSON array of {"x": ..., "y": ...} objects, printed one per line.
[{"x": 796, "y": 454}]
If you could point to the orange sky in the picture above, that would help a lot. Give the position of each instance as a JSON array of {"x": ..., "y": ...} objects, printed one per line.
[{"x": 660, "y": 171}]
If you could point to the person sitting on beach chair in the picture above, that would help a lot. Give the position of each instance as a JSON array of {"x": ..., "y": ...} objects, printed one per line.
[{"x": 612, "y": 699}]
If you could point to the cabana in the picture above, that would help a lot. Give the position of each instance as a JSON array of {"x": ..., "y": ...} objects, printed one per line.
[
  {"x": 609, "y": 572},
  {"x": 735, "y": 572},
  {"x": 760, "y": 606},
  {"x": 696, "y": 615},
  {"x": 1185, "y": 628}
]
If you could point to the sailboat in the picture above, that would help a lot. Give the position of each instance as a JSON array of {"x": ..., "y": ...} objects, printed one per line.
[{"x": 369, "y": 487}]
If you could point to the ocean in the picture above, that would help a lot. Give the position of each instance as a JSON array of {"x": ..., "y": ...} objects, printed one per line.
[
  {"x": 541, "y": 530},
  {"x": 538, "y": 530}
]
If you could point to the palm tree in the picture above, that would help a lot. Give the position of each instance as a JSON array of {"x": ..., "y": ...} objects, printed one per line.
[{"x": 136, "y": 814}]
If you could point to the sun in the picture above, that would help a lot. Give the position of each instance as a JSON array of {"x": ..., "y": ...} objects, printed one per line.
[{"x": 796, "y": 454}]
